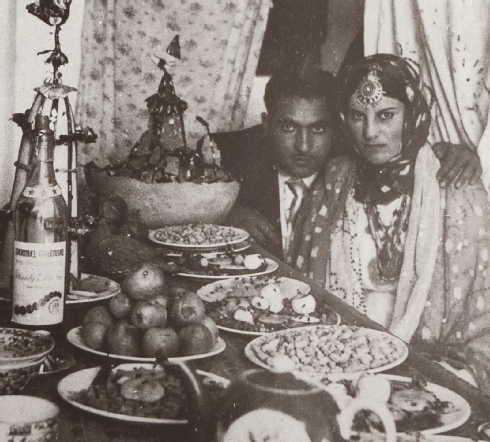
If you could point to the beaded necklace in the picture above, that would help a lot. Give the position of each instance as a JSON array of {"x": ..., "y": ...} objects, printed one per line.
[{"x": 388, "y": 239}]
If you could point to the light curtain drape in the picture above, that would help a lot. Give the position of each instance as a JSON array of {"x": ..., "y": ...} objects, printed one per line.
[
  {"x": 450, "y": 41},
  {"x": 220, "y": 42}
]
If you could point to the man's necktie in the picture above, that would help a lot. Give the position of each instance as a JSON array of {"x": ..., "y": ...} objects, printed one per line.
[{"x": 299, "y": 189}]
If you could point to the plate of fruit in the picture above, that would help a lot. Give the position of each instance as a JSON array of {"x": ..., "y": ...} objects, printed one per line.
[
  {"x": 259, "y": 305},
  {"x": 207, "y": 267},
  {"x": 142, "y": 319},
  {"x": 136, "y": 393},
  {"x": 198, "y": 236},
  {"x": 416, "y": 405}
]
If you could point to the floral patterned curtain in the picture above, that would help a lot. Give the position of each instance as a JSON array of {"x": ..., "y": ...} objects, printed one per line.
[
  {"x": 220, "y": 43},
  {"x": 450, "y": 42}
]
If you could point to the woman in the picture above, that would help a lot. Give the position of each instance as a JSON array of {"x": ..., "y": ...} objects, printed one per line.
[{"x": 385, "y": 237}]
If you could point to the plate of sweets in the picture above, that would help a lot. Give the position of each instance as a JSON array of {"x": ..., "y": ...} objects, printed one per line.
[
  {"x": 417, "y": 406},
  {"x": 91, "y": 288},
  {"x": 207, "y": 267},
  {"x": 328, "y": 351},
  {"x": 136, "y": 393},
  {"x": 198, "y": 236},
  {"x": 259, "y": 305}
]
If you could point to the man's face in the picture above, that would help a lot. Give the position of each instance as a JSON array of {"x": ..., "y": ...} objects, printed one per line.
[{"x": 300, "y": 133}]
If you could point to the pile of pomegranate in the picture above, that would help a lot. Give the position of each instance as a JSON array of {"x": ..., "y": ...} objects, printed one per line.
[{"x": 147, "y": 316}]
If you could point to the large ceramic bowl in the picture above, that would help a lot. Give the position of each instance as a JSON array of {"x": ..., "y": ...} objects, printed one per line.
[
  {"x": 21, "y": 354},
  {"x": 165, "y": 204},
  {"x": 28, "y": 419},
  {"x": 15, "y": 377}
]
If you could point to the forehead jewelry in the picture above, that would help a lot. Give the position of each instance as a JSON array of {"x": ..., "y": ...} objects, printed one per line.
[{"x": 370, "y": 90}]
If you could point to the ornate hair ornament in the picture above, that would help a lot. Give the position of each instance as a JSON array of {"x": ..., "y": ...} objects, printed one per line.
[{"x": 370, "y": 90}]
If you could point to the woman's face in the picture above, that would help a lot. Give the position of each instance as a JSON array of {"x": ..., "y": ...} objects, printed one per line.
[{"x": 377, "y": 129}]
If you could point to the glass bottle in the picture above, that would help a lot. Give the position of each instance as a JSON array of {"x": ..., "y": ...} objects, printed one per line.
[{"x": 40, "y": 232}]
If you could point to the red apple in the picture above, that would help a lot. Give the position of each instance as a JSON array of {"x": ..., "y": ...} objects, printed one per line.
[
  {"x": 195, "y": 339},
  {"x": 145, "y": 281},
  {"x": 165, "y": 339},
  {"x": 187, "y": 308},
  {"x": 212, "y": 327},
  {"x": 98, "y": 314},
  {"x": 124, "y": 339},
  {"x": 146, "y": 314},
  {"x": 120, "y": 305}
]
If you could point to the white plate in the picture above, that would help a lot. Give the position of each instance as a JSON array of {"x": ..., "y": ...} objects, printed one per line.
[
  {"x": 427, "y": 438},
  {"x": 254, "y": 333},
  {"x": 81, "y": 380},
  {"x": 287, "y": 285},
  {"x": 450, "y": 439},
  {"x": 235, "y": 248},
  {"x": 271, "y": 267},
  {"x": 450, "y": 421},
  {"x": 243, "y": 235},
  {"x": 225, "y": 288},
  {"x": 83, "y": 297},
  {"x": 74, "y": 337},
  {"x": 403, "y": 350}
]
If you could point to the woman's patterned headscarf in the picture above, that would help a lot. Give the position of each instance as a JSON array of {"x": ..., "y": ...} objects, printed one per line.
[{"x": 369, "y": 80}]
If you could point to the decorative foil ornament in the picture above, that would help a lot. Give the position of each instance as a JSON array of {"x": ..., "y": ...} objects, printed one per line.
[
  {"x": 51, "y": 12},
  {"x": 370, "y": 90}
]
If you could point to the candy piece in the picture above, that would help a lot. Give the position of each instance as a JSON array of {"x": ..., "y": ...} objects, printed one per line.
[
  {"x": 304, "y": 305},
  {"x": 276, "y": 306},
  {"x": 243, "y": 316},
  {"x": 260, "y": 303},
  {"x": 253, "y": 262},
  {"x": 271, "y": 292}
]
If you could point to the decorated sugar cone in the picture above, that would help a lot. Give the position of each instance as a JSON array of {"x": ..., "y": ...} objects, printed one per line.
[{"x": 22, "y": 165}]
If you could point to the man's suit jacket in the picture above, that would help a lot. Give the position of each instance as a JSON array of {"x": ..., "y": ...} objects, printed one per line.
[{"x": 247, "y": 154}]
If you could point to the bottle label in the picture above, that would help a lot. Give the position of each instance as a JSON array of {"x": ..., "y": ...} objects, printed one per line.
[
  {"x": 39, "y": 283},
  {"x": 42, "y": 192}
]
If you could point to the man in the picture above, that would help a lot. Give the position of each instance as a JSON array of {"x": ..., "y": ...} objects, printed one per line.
[{"x": 296, "y": 139}]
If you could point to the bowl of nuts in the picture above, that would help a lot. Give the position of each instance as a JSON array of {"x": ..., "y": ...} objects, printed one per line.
[{"x": 21, "y": 354}]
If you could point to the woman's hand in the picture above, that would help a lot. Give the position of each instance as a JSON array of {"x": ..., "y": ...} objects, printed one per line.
[{"x": 460, "y": 165}]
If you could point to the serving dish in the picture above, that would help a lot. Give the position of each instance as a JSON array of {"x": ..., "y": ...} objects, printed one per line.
[
  {"x": 271, "y": 267},
  {"x": 75, "y": 297},
  {"x": 328, "y": 351},
  {"x": 223, "y": 298},
  {"x": 166, "y": 204},
  {"x": 180, "y": 237},
  {"x": 75, "y": 383},
  {"x": 428, "y": 408},
  {"x": 74, "y": 337}
]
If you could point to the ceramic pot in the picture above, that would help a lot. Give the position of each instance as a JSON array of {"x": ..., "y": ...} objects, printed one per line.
[
  {"x": 263, "y": 405},
  {"x": 167, "y": 204},
  {"x": 28, "y": 419}
]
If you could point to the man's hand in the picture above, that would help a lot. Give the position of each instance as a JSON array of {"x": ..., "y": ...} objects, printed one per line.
[
  {"x": 460, "y": 165},
  {"x": 261, "y": 230}
]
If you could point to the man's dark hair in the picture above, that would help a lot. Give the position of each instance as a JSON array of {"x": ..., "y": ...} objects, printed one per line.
[{"x": 304, "y": 83}]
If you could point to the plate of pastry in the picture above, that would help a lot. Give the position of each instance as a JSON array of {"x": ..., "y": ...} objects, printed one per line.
[{"x": 91, "y": 288}]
